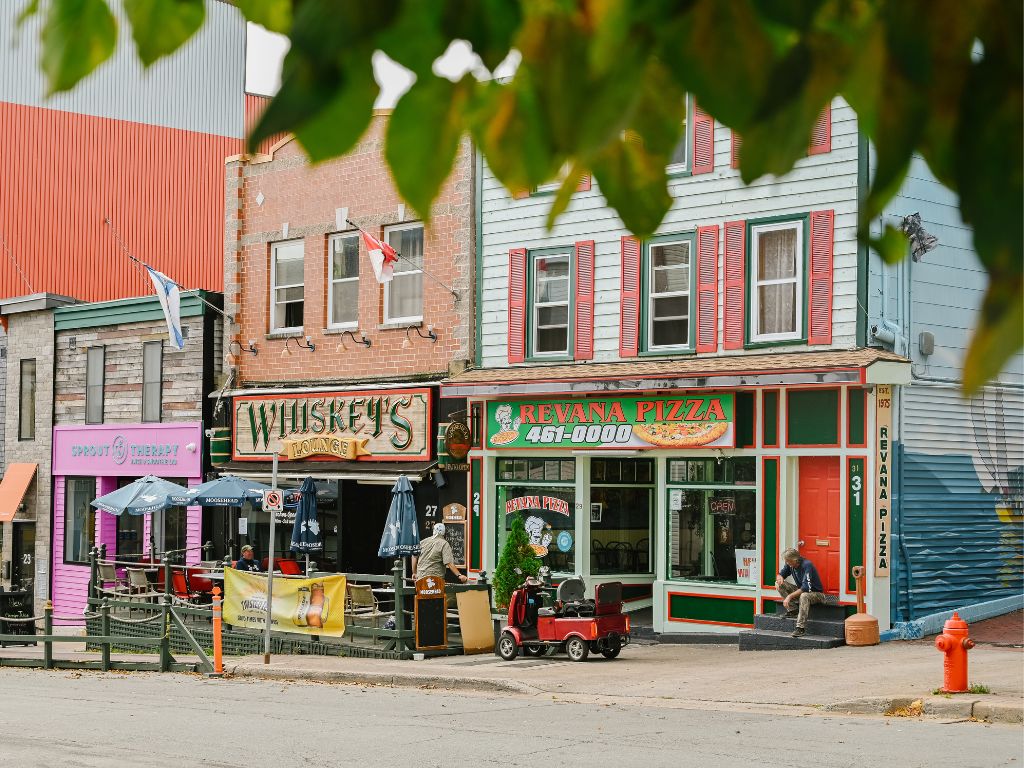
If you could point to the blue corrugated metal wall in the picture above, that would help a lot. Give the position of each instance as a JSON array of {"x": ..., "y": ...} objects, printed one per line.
[{"x": 960, "y": 526}]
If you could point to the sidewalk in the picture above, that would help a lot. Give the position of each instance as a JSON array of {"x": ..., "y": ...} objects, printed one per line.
[{"x": 867, "y": 680}]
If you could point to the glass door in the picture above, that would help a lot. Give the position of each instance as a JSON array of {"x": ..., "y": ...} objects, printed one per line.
[{"x": 23, "y": 556}]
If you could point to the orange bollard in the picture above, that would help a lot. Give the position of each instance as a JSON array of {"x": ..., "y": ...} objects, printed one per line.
[
  {"x": 218, "y": 656},
  {"x": 954, "y": 644}
]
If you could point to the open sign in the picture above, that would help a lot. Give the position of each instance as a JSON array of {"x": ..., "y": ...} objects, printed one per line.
[{"x": 723, "y": 506}]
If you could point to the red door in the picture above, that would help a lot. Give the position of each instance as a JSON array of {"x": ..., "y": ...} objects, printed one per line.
[{"x": 819, "y": 516}]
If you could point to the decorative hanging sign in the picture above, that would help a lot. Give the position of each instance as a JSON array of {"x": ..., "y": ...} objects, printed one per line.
[{"x": 685, "y": 421}]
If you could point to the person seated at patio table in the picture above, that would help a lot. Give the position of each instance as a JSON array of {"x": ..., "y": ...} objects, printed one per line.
[
  {"x": 248, "y": 562},
  {"x": 435, "y": 555}
]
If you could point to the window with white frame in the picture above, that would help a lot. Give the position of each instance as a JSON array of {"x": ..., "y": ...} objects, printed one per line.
[
  {"x": 403, "y": 296},
  {"x": 679, "y": 161},
  {"x": 668, "y": 313},
  {"x": 550, "y": 296},
  {"x": 777, "y": 281},
  {"x": 554, "y": 186},
  {"x": 287, "y": 293},
  {"x": 343, "y": 295}
]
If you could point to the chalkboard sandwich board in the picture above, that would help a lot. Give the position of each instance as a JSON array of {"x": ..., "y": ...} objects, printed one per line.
[
  {"x": 16, "y": 605},
  {"x": 455, "y": 532},
  {"x": 430, "y": 614}
]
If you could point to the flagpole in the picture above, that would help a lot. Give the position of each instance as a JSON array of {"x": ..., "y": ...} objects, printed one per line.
[
  {"x": 138, "y": 262},
  {"x": 398, "y": 253}
]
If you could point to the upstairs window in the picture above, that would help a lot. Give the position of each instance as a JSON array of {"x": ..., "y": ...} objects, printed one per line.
[
  {"x": 669, "y": 286},
  {"x": 680, "y": 159},
  {"x": 152, "y": 379},
  {"x": 403, "y": 296},
  {"x": 287, "y": 294},
  {"x": 27, "y": 401},
  {"x": 94, "y": 379},
  {"x": 343, "y": 294},
  {"x": 777, "y": 279},
  {"x": 549, "y": 291}
]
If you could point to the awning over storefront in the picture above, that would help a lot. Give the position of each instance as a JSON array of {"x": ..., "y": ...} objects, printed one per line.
[
  {"x": 16, "y": 481},
  {"x": 366, "y": 472},
  {"x": 858, "y": 366}
]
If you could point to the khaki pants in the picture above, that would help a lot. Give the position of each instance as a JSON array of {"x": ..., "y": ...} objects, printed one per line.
[{"x": 807, "y": 599}]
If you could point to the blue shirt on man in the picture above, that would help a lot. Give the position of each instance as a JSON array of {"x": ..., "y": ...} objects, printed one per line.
[
  {"x": 805, "y": 575},
  {"x": 248, "y": 565}
]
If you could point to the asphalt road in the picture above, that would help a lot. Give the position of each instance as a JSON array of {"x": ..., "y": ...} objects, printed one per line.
[{"x": 73, "y": 720}]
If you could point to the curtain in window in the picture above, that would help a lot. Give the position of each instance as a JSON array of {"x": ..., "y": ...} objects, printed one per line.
[{"x": 777, "y": 299}]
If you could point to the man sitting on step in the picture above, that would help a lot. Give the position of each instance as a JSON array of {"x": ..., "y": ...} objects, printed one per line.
[{"x": 798, "y": 580}]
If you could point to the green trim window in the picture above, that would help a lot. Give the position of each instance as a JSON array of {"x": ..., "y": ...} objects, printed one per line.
[
  {"x": 777, "y": 281},
  {"x": 712, "y": 514},
  {"x": 550, "y": 303},
  {"x": 668, "y": 292},
  {"x": 543, "y": 493},
  {"x": 621, "y": 515}
]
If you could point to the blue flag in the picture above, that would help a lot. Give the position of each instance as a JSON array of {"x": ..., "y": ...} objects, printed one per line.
[{"x": 170, "y": 300}]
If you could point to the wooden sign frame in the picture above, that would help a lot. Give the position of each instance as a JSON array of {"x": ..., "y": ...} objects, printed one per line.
[{"x": 430, "y": 596}]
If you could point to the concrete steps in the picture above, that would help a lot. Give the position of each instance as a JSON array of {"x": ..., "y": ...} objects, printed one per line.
[{"x": 773, "y": 631}]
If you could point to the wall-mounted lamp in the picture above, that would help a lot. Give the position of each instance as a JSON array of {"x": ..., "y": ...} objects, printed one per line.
[
  {"x": 361, "y": 340},
  {"x": 250, "y": 349},
  {"x": 428, "y": 335},
  {"x": 308, "y": 345}
]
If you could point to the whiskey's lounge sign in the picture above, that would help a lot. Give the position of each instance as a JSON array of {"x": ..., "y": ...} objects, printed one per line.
[{"x": 389, "y": 425}]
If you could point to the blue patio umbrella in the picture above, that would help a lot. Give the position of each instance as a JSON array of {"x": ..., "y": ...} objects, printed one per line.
[
  {"x": 225, "y": 491},
  {"x": 306, "y": 536},
  {"x": 143, "y": 497},
  {"x": 401, "y": 532}
]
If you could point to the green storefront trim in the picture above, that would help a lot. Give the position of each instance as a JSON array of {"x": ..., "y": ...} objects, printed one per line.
[
  {"x": 812, "y": 418},
  {"x": 711, "y": 609},
  {"x": 139, "y": 310},
  {"x": 769, "y": 520},
  {"x": 770, "y": 425},
  {"x": 476, "y": 479},
  {"x": 856, "y": 425},
  {"x": 855, "y": 489}
]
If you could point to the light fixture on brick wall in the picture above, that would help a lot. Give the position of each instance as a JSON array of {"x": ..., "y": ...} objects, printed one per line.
[
  {"x": 361, "y": 340},
  {"x": 251, "y": 349},
  {"x": 298, "y": 342},
  {"x": 428, "y": 335}
]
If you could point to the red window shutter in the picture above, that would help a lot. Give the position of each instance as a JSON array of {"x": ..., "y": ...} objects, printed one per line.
[
  {"x": 821, "y": 137},
  {"x": 584, "y": 300},
  {"x": 517, "y": 305},
  {"x": 820, "y": 314},
  {"x": 707, "y": 288},
  {"x": 737, "y": 142},
  {"x": 703, "y": 141},
  {"x": 629, "y": 305},
  {"x": 521, "y": 194},
  {"x": 734, "y": 303},
  {"x": 584, "y": 185}
]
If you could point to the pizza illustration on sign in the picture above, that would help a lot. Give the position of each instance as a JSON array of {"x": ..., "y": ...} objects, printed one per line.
[{"x": 666, "y": 434}]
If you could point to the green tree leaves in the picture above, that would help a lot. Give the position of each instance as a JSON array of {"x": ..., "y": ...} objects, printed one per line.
[
  {"x": 600, "y": 88},
  {"x": 78, "y": 36},
  {"x": 160, "y": 27}
]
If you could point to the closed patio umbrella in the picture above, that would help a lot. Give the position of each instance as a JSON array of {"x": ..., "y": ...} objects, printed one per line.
[
  {"x": 306, "y": 536},
  {"x": 401, "y": 532}
]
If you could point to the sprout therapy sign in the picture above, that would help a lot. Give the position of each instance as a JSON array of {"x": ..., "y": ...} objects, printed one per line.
[{"x": 684, "y": 421}]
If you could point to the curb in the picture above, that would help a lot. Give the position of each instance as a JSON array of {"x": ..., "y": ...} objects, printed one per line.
[
  {"x": 386, "y": 680},
  {"x": 936, "y": 706}
]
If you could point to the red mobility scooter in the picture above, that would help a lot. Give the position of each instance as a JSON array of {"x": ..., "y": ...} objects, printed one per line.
[{"x": 574, "y": 625}]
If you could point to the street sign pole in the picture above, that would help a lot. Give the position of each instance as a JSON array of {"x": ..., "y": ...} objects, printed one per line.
[{"x": 270, "y": 567}]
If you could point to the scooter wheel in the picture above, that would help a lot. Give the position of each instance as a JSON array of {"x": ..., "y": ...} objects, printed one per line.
[
  {"x": 576, "y": 649},
  {"x": 508, "y": 649},
  {"x": 611, "y": 653},
  {"x": 533, "y": 650}
]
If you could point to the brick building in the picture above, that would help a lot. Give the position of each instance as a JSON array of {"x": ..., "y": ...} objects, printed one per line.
[{"x": 323, "y": 350}]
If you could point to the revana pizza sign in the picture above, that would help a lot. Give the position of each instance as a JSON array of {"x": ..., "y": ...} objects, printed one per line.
[{"x": 684, "y": 421}]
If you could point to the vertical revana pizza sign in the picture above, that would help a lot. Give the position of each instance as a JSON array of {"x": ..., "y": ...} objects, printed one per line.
[
  {"x": 683, "y": 421},
  {"x": 391, "y": 425},
  {"x": 883, "y": 474}
]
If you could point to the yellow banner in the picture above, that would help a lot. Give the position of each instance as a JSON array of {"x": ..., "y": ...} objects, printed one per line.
[
  {"x": 305, "y": 606},
  {"x": 349, "y": 448}
]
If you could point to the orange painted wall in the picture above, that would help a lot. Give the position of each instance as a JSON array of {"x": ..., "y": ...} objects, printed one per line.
[{"x": 61, "y": 173}]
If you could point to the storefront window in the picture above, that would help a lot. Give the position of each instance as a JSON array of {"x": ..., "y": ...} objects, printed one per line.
[
  {"x": 130, "y": 536},
  {"x": 79, "y": 518},
  {"x": 712, "y": 520},
  {"x": 543, "y": 492},
  {"x": 621, "y": 515},
  {"x": 257, "y": 525}
]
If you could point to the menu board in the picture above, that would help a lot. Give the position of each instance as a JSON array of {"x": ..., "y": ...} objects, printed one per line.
[{"x": 454, "y": 516}]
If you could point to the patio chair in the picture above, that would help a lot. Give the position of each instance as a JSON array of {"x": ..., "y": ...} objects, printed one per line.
[
  {"x": 362, "y": 606},
  {"x": 289, "y": 567},
  {"x": 180, "y": 589},
  {"x": 138, "y": 585},
  {"x": 108, "y": 575}
]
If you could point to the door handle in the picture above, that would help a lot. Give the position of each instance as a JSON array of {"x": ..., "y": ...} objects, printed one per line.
[{"x": 800, "y": 543}]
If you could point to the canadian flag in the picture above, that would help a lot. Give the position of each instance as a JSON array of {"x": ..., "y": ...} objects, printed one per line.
[{"x": 382, "y": 257}]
